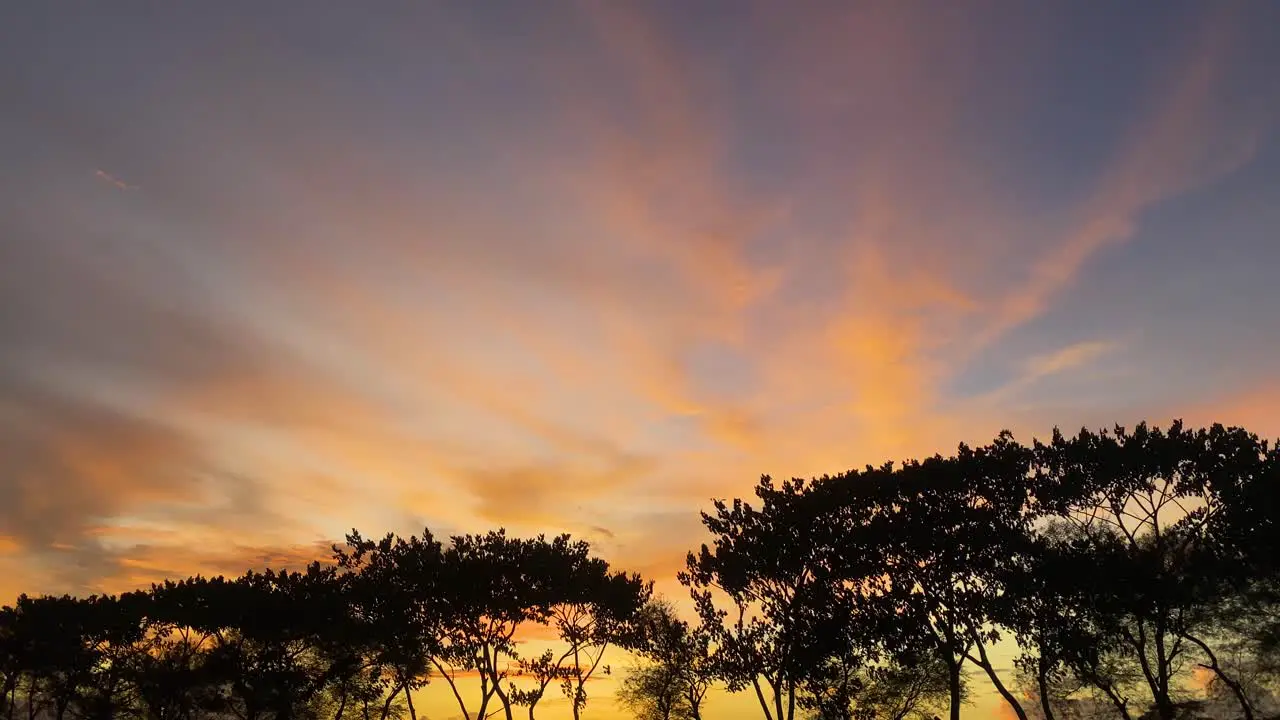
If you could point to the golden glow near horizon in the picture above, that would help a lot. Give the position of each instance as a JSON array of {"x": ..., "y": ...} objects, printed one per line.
[{"x": 270, "y": 275}]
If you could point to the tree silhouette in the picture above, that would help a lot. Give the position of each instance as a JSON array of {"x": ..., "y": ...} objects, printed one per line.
[
  {"x": 1120, "y": 562},
  {"x": 1156, "y": 509},
  {"x": 783, "y": 611},
  {"x": 653, "y": 692},
  {"x": 62, "y": 649},
  {"x": 1054, "y": 613},
  {"x": 543, "y": 671},
  {"x": 457, "y": 609},
  {"x": 902, "y": 562},
  {"x": 11, "y": 661},
  {"x": 916, "y": 688},
  {"x": 593, "y": 608},
  {"x": 110, "y": 629},
  {"x": 397, "y": 601},
  {"x": 675, "y": 669},
  {"x": 954, "y": 538}
]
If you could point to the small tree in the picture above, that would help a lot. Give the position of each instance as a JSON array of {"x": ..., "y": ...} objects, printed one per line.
[
  {"x": 675, "y": 670},
  {"x": 592, "y": 608},
  {"x": 112, "y": 629},
  {"x": 916, "y": 688},
  {"x": 543, "y": 671},
  {"x": 1055, "y": 610},
  {"x": 769, "y": 595},
  {"x": 653, "y": 692}
]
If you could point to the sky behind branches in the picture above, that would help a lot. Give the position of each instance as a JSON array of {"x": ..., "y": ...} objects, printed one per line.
[{"x": 271, "y": 271}]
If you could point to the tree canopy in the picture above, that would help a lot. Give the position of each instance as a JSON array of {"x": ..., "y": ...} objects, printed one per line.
[
  {"x": 1115, "y": 560},
  {"x": 1133, "y": 571}
]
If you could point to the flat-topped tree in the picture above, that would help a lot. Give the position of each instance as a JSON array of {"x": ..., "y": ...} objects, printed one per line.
[
  {"x": 1168, "y": 511},
  {"x": 59, "y": 649},
  {"x": 112, "y": 629},
  {"x": 11, "y": 660},
  {"x": 1057, "y": 612},
  {"x": 948, "y": 535},
  {"x": 267, "y": 628},
  {"x": 73, "y": 653},
  {"x": 170, "y": 676},
  {"x": 457, "y": 609},
  {"x": 398, "y": 605},
  {"x": 769, "y": 597},
  {"x": 591, "y": 608},
  {"x": 494, "y": 586}
]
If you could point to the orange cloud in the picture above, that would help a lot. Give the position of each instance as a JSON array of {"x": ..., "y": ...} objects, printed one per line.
[
  {"x": 1256, "y": 409},
  {"x": 142, "y": 564},
  {"x": 477, "y": 362},
  {"x": 71, "y": 461},
  {"x": 548, "y": 495}
]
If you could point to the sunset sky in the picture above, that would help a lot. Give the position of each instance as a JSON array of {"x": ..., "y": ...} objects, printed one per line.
[{"x": 271, "y": 271}]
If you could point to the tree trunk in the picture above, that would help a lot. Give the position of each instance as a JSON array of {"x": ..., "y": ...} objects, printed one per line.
[
  {"x": 31, "y": 699},
  {"x": 408, "y": 698},
  {"x": 386, "y": 706},
  {"x": 953, "y": 680},
  {"x": 342, "y": 705},
  {"x": 1236, "y": 689},
  {"x": 695, "y": 705},
  {"x": 1101, "y": 683},
  {"x": 985, "y": 663},
  {"x": 764, "y": 705},
  {"x": 1045, "y": 705},
  {"x": 506, "y": 702},
  {"x": 1164, "y": 703},
  {"x": 457, "y": 696}
]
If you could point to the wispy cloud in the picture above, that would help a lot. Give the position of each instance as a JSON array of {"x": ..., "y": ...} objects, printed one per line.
[
  {"x": 663, "y": 264},
  {"x": 1187, "y": 139},
  {"x": 1063, "y": 360},
  {"x": 1067, "y": 358},
  {"x": 110, "y": 179}
]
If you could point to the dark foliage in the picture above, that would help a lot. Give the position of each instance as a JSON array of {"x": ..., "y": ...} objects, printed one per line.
[
  {"x": 349, "y": 639},
  {"x": 1122, "y": 563},
  {"x": 1136, "y": 572}
]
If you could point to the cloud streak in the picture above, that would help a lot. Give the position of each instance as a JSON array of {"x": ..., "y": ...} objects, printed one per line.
[
  {"x": 589, "y": 292},
  {"x": 113, "y": 180},
  {"x": 591, "y": 275},
  {"x": 1186, "y": 140}
]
